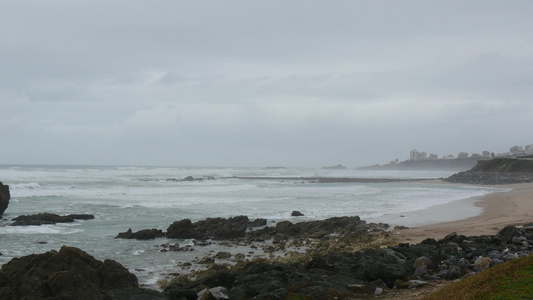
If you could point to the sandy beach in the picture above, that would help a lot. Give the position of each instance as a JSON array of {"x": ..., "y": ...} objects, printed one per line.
[{"x": 514, "y": 207}]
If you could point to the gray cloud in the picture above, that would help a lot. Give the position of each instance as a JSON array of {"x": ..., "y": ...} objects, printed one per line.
[{"x": 303, "y": 83}]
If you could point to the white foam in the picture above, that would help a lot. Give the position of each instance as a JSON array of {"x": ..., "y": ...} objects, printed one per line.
[
  {"x": 140, "y": 198},
  {"x": 41, "y": 230}
]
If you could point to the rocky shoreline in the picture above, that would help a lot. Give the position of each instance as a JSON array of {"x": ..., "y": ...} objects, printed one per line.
[
  {"x": 496, "y": 171},
  {"x": 352, "y": 259},
  {"x": 490, "y": 178},
  {"x": 343, "y": 275},
  {"x": 336, "y": 258}
]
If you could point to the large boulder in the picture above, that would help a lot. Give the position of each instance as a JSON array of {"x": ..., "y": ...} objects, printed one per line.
[
  {"x": 382, "y": 264},
  {"x": 68, "y": 274},
  {"x": 4, "y": 197},
  {"x": 145, "y": 234}
]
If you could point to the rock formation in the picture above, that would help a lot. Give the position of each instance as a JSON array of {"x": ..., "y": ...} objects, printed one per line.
[
  {"x": 213, "y": 228},
  {"x": 4, "y": 197},
  {"x": 145, "y": 234},
  {"x": 68, "y": 274},
  {"x": 348, "y": 275},
  {"x": 296, "y": 213},
  {"x": 496, "y": 171},
  {"x": 47, "y": 218}
]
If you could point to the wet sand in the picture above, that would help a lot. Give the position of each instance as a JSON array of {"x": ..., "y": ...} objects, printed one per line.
[{"x": 514, "y": 207}]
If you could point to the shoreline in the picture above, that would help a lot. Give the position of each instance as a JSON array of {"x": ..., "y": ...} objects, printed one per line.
[{"x": 514, "y": 207}]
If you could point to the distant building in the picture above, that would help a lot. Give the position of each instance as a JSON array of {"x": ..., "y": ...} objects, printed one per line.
[
  {"x": 462, "y": 155},
  {"x": 476, "y": 155},
  {"x": 449, "y": 156},
  {"x": 433, "y": 157},
  {"x": 417, "y": 156},
  {"x": 485, "y": 154},
  {"x": 529, "y": 149},
  {"x": 516, "y": 149}
]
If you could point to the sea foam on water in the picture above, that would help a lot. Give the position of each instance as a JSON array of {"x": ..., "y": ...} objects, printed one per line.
[{"x": 144, "y": 197}]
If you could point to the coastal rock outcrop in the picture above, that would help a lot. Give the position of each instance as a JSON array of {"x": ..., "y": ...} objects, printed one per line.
[
  {"x": 68, "y": 274},
  {"x": 48, "y": 218},
  {"x": 212, "y": 228},
  {"x": 496, "y": 171},
  {"x": 314, "y": 229},
  {"x": 490, "y": 178},
  {"x": 237, "y": 228},
  {"x": 346, "y": 275},
  {"x": 4, "y": 197}
]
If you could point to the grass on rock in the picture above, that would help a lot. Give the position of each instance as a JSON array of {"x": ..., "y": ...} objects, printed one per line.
[{"x": 510, "y": 280}]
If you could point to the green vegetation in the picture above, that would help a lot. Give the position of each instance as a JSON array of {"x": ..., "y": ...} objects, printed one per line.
[
  {"x": 510, "y": 280},
  {"x": 504, "y": 165}
]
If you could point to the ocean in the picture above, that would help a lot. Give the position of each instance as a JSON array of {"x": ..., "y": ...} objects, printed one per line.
[{"x": 155, "y": 197}]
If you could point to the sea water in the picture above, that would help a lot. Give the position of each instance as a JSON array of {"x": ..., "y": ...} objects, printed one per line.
[{"x": 154, "y": 197}]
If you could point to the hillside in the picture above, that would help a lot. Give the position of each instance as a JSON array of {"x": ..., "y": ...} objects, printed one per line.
[
  {"x": 504, "y": 165},
  {"x": 497, "y": 171}
]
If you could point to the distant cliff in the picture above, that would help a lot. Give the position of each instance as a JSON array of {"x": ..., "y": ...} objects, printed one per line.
[{"x": 497, "y": 171}]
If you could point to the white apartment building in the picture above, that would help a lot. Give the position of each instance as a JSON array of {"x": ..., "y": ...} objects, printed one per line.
[
  {"x": 416, "y": 156},
  {"x": 529, "y": 149}
]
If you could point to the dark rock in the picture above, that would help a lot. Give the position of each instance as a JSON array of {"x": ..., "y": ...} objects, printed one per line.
[
  {"x": 296, "y": 213},
  {"x": 81, "y": 216},
  {"x": 378, "y": 264},
  {"x": 182, "y": 229},
  {"x": 134, "y": 294},
  {"x": 453, "y": 273},
  {"x": 421, "y": 271},
  {"x": 258, "y": 222},
  {"x": 4, "y": 197},
  {"x": 339, "y": 225},
  {"x": 210, "y": 228},
  {"x": 223, "y": 255},
  {"x": 145, "y": 234},
  {"x": 188, "y": 178},
  {"x": 287, "y": 228},
  {"x": 236, "y": 228},
  {"x": 508, "y": 233},
  {"x": 125, "y": 235},
  {"x": 215, "y": 293},
  {"x": 68, "y": 274},
  {"x": 47, "y": 218},
  {"x": 328, "y": 276},
  {"x": 180, "y": 293},
  {"x": 490, "y": 178},
  {"x": 319, "y": 263},
  {"x": 217, "y": 276}
]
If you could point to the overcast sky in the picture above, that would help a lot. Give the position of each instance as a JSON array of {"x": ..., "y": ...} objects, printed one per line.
[{"x": 262, "y": 83}]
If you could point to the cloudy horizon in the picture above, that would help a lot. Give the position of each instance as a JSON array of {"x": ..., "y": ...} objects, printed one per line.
[{"x": 272, "y": 83}]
